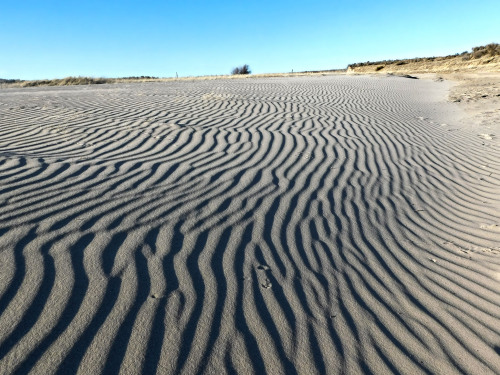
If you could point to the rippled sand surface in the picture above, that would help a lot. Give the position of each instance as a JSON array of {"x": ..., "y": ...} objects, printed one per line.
[{"x": 282, "y": 225}]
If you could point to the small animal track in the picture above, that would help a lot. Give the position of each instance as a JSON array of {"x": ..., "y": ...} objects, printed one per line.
[{"x": 267, "y": 284}]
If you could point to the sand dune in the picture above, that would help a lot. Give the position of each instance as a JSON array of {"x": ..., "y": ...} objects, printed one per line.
[{"x": 342, "y": 224}]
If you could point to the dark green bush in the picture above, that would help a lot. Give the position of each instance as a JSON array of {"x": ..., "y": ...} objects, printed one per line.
[{"x": 244, "y": 69}]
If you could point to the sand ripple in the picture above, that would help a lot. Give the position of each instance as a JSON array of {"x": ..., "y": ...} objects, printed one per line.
[{"x": 294, "y": 225}]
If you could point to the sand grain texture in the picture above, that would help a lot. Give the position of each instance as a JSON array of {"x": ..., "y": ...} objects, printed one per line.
[{"x": 282, "y": 225}]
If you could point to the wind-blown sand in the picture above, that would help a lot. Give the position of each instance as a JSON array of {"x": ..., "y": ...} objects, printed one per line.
[{"x": 342, "y": 224}]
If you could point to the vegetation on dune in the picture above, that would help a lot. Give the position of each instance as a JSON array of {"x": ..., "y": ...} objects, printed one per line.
[
  {"x": 244, "y": 69},
  {"x": 483, "y": 55},
  {"x": 2, "y": 80},
  {"x": 72, "y": 81},
  {"x": 490, "y": 50},
  {"x": 64, "y": 82}
]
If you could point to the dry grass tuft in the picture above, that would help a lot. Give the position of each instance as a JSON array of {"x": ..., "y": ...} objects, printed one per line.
[{"x": 65, "y": 82}]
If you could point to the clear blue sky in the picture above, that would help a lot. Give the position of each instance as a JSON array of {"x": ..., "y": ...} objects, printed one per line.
[{"x": 55, "y": 39}]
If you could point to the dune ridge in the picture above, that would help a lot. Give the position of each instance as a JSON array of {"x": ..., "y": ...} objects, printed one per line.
[
  {"x": 295, "y": 225},
  {"x": 480, "y": 59}
]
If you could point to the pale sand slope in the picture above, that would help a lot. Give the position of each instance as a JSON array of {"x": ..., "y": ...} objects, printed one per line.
[
  {"x": 282, "y": 225},
  {"x": 479, "y": 95}
]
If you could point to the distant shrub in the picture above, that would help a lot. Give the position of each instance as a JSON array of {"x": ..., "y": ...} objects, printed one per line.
[
  {"x": 244, "y": 69},
  {"x": 479, "y": 53},
  {"x": 132, "y": 78},
  {"x": 380, "y": 67},
  {"x": 492, "y": 49},
  {"x": 3, "y": 80}
]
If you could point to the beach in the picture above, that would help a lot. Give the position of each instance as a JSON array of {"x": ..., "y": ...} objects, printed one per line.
[{"x": 329, "y": 224}]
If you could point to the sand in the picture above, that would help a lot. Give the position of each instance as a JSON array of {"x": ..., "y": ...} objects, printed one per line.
[{"x": 309, "y": 225}]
